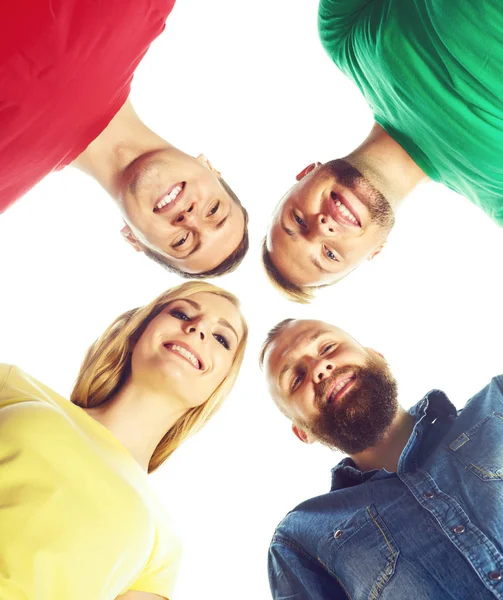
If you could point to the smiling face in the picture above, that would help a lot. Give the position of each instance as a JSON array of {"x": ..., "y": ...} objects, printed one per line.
[
  {"x": 175, "y": 205},
  {"x": 333, "y": 389},
  {"x": 189, "y": 348},
  {"x": 327, "y": 224}
]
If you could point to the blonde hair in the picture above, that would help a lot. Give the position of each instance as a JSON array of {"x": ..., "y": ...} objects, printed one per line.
[
  {"x": 107, "y": 365},
  {"x": 294, "y": 292}
]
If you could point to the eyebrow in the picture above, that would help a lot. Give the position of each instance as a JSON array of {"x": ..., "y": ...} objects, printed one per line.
[
  {"x": 221, "y": 321},
  {"x": 312, "y": 338},
  {"x": 319, "y": 266},
  {"x": 191, "y": 302},
  {"x": 194, "y": 249},
  {"x": 222, "y": 222},
  {"x": 226, "y": 323},
  {"x": 289, "y": 232}
]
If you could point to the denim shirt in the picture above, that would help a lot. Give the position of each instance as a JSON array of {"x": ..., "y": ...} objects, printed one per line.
[{"x": 431, "y": 531}]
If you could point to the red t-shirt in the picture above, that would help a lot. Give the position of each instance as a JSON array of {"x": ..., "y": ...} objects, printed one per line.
[{"x": 65, "y": 70}]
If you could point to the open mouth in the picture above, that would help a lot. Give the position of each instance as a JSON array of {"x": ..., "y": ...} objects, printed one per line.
[
  {"x": 185, "y": 352},
  {"x": 342, "y": 211},
  {"x": 169, "y": 198},
  {"x": 341, "y": 386}
]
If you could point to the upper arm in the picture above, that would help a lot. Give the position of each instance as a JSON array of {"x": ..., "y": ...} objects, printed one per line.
[
  {"x": 295, "y": 576},
  {"x": 140, "y": 596}
]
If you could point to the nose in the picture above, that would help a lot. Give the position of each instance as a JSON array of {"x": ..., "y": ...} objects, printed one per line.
[
  {"x": 321, "y": 369},
  {"x": 187, "y": 215},
  {"x": 325, "y": 225},
  {"x": 197, "y": 328}
]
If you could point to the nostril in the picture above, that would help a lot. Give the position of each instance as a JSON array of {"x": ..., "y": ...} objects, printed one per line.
[
  {"x": 202, "y": 335},
  {"x": 192, "y": 329},
  {"x": 323, "y": 220},
  {"x": 320, "y": 376},
  {"x": 330, "y": 229},
  {"x": 180, "y": 219},
  {"x": 190, "y": 209},
  {"x": 329, "y": 367}
]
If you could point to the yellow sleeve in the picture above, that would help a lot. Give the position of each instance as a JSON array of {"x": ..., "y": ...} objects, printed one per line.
[
  {"x": 158, "y": 576},
  {"x": 7, "y": 395}
]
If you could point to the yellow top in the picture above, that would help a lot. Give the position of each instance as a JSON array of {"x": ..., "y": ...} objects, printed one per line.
[{"x": 77, "y": 516}]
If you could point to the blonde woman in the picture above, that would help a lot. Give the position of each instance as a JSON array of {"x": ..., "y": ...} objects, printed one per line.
[{"x": 77, "y": 517}]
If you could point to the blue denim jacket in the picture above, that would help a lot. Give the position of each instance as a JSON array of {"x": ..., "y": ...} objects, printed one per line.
[{"x": 431, "y": 531}]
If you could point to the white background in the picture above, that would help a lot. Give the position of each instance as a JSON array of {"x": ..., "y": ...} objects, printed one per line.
[{"x": 248, "y": 84}]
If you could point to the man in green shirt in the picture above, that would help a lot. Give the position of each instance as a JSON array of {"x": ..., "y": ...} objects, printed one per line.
[{"x": 431, "y": 71}]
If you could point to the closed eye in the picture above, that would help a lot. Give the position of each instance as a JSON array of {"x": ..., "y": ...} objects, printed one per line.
[{"x": 222, "y": 340}]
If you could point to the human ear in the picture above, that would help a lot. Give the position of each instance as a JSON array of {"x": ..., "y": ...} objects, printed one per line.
[
  {"x": 130, "y": 238},
  {"x": 302, "y": 435},
  {"x": 377, "y": 250},
  {"x": 307, "y": 170},
  {"x": 203, "y": 160}
]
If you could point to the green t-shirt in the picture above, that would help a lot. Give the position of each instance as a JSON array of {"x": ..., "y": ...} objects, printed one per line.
[{"x": 432, "y": 73}]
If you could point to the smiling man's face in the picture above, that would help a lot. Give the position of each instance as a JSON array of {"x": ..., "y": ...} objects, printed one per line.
[
  {"x": 327, "y": 224},
  {"x": 175, "y": 205},
  {"x": 332, "y": 389}
]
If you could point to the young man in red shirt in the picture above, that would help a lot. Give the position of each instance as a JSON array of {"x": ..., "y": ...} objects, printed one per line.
[{"x": 65, "y": 75}]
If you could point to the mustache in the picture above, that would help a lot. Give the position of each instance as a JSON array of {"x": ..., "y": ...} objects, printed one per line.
[{"x": 321, "y": 388}]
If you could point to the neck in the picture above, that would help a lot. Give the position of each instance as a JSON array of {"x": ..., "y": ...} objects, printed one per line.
[
  {"x": 386, "y": 454},
  {"x": 138, "y": 418},
  {"x": 383, "y": 162},
  {"x": 125, "y": 139}
]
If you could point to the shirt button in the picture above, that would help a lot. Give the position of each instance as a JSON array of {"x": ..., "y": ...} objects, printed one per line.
[
  {"x": 428, "y": 495},
  {"x": 495, "y": 575},
  {"x": 338, "y": 534},
  {"x": 459, "y": 529}
]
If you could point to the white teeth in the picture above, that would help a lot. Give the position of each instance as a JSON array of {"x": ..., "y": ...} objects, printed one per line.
[
  {"x": 173, "y": 195},
  {"x": 340, "y": 385},
  {"x": 345, "y": 211},
  {"x": 186, "y": 354}
]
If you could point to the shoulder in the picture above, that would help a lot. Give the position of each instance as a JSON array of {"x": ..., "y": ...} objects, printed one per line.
[
  {"x": 300, "y": 527},
  {"x": 488, "y": 398}
]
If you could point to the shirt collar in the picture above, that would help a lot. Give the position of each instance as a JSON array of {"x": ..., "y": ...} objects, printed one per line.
[{"x": 435, "y": 405}]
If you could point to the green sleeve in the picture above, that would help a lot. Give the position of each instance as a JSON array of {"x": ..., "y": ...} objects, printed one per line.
[{"x": 336, "y": 19}]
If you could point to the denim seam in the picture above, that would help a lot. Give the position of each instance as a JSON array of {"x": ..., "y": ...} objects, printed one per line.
[
  {"x": 389, "y": 569},
  {"x": 451, "y": 502},
  {"x": 488, "y": 473},
  {"x": 295, "y": 546},
  {"x": 338, "y": 580}
]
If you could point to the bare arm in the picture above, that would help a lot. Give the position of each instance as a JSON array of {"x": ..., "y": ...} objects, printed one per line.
[{"x": 140, "y": 596}]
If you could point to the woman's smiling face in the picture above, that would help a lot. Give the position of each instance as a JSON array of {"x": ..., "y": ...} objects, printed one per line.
[{"x": 189, "y": 348}]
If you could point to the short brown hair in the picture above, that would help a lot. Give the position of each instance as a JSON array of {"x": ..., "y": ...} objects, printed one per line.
[
  {"x": 294, "y": 292},
  {"x": 271, "y": 336},
  {"x": 228, "y": 265}
]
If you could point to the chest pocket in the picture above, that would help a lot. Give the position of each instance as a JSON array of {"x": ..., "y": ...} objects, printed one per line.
[
  {"x": 361, "y": 553},
  {"x": 480, "y": 449}
]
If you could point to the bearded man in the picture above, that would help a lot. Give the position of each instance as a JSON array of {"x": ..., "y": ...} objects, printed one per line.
[{"x": 415, "y": 509}]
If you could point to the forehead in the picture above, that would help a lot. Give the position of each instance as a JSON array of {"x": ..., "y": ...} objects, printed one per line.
[
  {"x": 296, "y": 339},
  {"x": 216, "y": 309}
]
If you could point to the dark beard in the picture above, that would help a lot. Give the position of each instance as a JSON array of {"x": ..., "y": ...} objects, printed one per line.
[
  {"x": 349, "y": 177},
  {"x": 364, "y": 414}
]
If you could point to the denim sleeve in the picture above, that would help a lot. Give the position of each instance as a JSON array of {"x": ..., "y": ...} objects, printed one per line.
[{"x": 293, "y": 575}]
